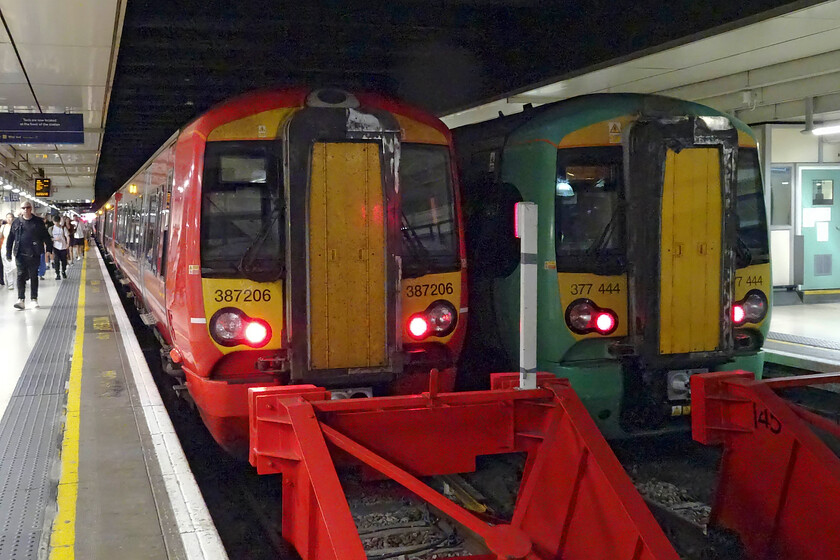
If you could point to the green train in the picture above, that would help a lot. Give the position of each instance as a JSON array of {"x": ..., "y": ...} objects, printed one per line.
[{"x": 653, "y": 250}]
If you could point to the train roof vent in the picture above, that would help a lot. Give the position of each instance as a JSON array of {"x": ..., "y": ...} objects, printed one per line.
[{"x": 331, "y": 97}]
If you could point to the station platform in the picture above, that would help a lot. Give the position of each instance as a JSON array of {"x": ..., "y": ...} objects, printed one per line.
[
  {"x": 90, "y": 465},
  {"x": 805, "y": 336}
]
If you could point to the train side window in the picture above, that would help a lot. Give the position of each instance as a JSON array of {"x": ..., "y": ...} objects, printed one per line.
[
  {"x": 752, "y": 245},
  {"x": 166, "y": 198},
  {"x": 150, "y": 243},
  {"x": 589, "y": 209}
]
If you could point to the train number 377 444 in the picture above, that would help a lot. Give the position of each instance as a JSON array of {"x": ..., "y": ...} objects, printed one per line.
[{"x": 230, "y": 296}]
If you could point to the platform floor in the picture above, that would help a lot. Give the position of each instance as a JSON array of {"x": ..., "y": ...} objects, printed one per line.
[
  {"x": 90, "y": 466},
  {"x": 805, "y": 335}
]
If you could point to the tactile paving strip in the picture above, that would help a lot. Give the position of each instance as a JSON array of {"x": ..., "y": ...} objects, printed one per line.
[
  {"x": 819, "y": 343},
  {"x": 30, "y": 435}
]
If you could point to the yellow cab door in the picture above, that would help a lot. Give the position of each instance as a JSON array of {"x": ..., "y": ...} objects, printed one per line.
[
  {"x": 690, "y": 252},
  {"x": 347, "y": 271}
]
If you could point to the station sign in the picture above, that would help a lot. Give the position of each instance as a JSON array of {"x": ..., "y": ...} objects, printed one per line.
[
  {"x": 42, "y": 128},
  {"x": 42, "y": 187}
]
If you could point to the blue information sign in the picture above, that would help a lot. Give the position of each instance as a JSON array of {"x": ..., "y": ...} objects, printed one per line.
[{"x": 41, "y": 128}]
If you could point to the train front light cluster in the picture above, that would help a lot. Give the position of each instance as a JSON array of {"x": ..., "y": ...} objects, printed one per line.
[
  {"x": 584, "y": 317},
  {"x": 231, "y": 327},
  {"x": 751, "y": 309},
  {"x": 439, "y": 319}
]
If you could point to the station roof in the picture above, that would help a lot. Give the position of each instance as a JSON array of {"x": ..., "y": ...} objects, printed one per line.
[{"x": 139, "y": 70}]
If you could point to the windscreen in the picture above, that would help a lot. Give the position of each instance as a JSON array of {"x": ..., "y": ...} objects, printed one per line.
[
  {"x": 588, "y": 209},
  {"x": 428, "y": 222},
  {"x": 242, "y": 212},
  {"x": 752, "y": 219}
]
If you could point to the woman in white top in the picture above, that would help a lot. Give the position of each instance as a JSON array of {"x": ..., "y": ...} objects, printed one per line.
[
  {"x": 61, "y": 243},
  {"x": 9, "y": 265}
]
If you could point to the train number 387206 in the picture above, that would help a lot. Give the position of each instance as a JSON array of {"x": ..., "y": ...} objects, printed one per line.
[
  {"x": 229, "y": 296},
  {"x": 420, "y": 290}
]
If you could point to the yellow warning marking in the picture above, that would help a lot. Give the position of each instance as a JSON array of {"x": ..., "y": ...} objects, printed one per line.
[
  {"x": 815, "y": 292},
  {"x": 63, "y": 539}
]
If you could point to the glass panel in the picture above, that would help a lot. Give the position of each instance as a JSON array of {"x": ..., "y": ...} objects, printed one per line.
[
  {"x": 752, "y": 245},
  {"x": 781, "y": 189},
  {"x": 429, "y": 230},
  {"x": 589, "y": 213},
  {"x": 823, "y": 192},
  {"x": 241, "y": 212}
]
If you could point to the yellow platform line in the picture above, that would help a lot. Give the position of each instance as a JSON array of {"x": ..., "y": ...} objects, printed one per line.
[{"x": 63, "y": 538}]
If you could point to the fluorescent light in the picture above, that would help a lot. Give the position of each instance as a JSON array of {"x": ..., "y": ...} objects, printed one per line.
[
  {"x": 830, "y": 128},
  {"x": 7, "y": 186},
  {"x": 16, "y": 191}
]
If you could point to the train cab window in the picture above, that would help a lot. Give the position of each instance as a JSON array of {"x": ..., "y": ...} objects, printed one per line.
[
  {"x": 752, "y": 245},
  {"x": 588, "y": 209},
  {"x": 242, "y": 212},
  {"x": 428, "y": 223}
]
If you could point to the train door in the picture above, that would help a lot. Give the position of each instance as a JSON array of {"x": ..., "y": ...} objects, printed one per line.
[
  {"x": 346, "y": 257},
  {"x": 682, "y": 230},
  {"x": 690, "y": 247},
  {"x": 344, "y": 238}
]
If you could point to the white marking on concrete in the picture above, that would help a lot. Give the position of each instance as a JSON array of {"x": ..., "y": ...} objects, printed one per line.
[{"x": 195, "y": 526}]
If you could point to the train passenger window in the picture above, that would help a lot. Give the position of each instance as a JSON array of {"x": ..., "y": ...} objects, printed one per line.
[
  {"x": 752, "y": 245},
  {"x": 150, "y": 242},
  {"x": 242, "y": 226},
  {"x": 428, "y": 223},
  {"x": 588, "y": 209}
]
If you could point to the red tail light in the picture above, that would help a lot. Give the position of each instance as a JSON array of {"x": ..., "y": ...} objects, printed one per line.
[
  {"x": 604, "y": 322},
  {"x": 418, "y": 327},
  {"x": 256, "y": 333},
  {"x": 738, "y": 314}
]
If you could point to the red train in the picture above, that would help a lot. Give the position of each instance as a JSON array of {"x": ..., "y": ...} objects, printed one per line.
[{"x": 292, "y": 237}]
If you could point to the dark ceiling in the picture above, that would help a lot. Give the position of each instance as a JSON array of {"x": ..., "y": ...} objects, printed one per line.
[{"x": 179, "y": 57}]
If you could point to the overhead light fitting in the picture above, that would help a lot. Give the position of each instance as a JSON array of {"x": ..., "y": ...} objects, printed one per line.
[{"x": 827, "y": 128}]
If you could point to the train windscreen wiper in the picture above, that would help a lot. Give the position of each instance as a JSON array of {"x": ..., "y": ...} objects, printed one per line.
[
  {"x": 418, "y": 253},
  {"x": 249, "y": 258},
  {"x": 607, "y": 233}
]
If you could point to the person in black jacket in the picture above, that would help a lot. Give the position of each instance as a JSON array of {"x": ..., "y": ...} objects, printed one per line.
[{"x": 28, "y": 239}]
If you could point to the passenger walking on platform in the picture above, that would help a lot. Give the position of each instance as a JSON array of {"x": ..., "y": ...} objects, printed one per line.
[
  {"x": 61, "y": 243},
  {"x": 71, "y": 234},
  {"x": 9, "y": 268},
  {"x": 28, "y": 239},
  {"x": 79, "y": 239}
]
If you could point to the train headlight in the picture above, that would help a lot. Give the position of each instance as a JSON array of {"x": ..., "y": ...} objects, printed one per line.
[
  {"x": 751, "y": 309},
  {"x": 227, "y": 326},
  {"x": 441, "y": 316},
  {"x": 755, "y": 306},
  {"x": 231, "y": 327},
  {"x": 439, "y": 319},
  {"x": 584, "y": 317},
  {"x": 579, "y": 315}
]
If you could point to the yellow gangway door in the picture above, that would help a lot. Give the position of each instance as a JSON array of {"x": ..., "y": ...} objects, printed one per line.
[
  {"x": 347, "y": 273},
  {"x": 690, "y": 252}
]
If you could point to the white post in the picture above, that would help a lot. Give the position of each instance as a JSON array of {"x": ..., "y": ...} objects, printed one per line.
[{"x": 526, "y": 231}]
